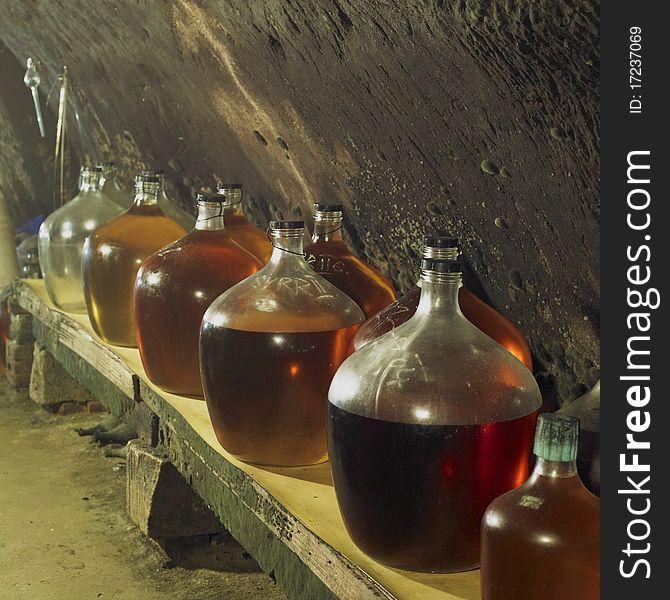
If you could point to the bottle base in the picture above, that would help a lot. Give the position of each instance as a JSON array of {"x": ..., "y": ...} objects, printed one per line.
[
  {"x": 285, "y": 465},
  {"x": 77, "y": 309},
  {"x": 118, "y": 343},
  {"x": 187, "y": 393},
  {"x": 406, "y": 562}
]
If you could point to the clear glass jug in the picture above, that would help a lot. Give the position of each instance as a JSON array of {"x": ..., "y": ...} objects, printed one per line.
[
  {"x": 427, "y": 424},
  {"x": 330, "y": 256},
  {"x": 542, "y": 540},
  {"x": 62, "y": 236},
  {"x": 113, "y": 254},
  {"x": 246, "y": 234},
  {"x": 269, "y": 347},
  {"x": 173, "y": 289},
  {"x": 489, "y": 320}
]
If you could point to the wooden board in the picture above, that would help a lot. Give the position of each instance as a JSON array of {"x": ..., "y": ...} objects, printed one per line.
[{"x": 287, "y": 519}]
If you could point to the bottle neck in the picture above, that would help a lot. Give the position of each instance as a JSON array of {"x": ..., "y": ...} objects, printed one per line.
[
  {"x": 156, "y": 179},
  {"x": 235, "y": 210},
  {"x": 108, "y": 174},
  {"x": 235, "y": 215},
  {"x": 287, "y": 245},
  {"x": 441, "y": 253},
  {"x": 146, "y": 194},
  {"x": 556, "y": 469},
  {"x": 327, "y": 227},
  {"x": 439, "y": 294},
  {"x": 233, "y": 204},
  {"x": 210, "y": 216},
  {"x": 89, "y": 183},
  {"x": 89, "y": 187}
]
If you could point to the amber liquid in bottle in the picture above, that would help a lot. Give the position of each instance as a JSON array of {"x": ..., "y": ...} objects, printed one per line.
[
  {"x": 276, "y": 419},
  {"x": 413, "y": 495},
  {"x": 247, "y": 235},
  {"x": 330, "y": 257},
  {"x": 269, "y": 348},
  {"x": 542, "y": 540},
  {"x": 173, "y": 290},
  {"x": 480, "y": 314},
  {"x": 112, "y": 256}
]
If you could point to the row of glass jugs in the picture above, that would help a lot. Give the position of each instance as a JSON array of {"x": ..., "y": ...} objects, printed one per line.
[{"x": 425, "y": 423}]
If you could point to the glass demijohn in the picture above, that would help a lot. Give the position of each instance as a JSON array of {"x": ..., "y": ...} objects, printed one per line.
[
  {"x": 542, "y": 540},
  {"x": 62, "y": 236},
  {"x": 490, "y": 321},
  {"x": 112, "y": 256},
  {"x": 269, "y": 347},
  {"x": 428, "y": 424},
  {"x": 329, "y": 255},
  {"x": 173, "y": 289},
  {"x": 29, "y": 259},
  {"x": 246, "y": 234}
]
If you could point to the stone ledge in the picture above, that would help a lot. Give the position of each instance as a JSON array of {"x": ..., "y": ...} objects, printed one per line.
[
  {"x": 19, "y": 351},
  {"x": 21, "y": 328},
  {"x": 18, "y": 363},
  {"x": 52, "y": 386},
  {"x": 158, "y": 499}
]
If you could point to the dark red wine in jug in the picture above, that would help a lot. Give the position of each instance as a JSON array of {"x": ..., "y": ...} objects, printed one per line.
[{"x": 426, "y": 426}]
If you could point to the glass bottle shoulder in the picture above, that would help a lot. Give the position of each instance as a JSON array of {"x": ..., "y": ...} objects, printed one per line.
[
  {"x": 435, "y": 369},
  {"x": 285, "y": 295},
  {"x": 113, "y": 190},
  {"x": 336, "y": 257},
  {"x": 176, "y": 213},
  {"x": 141, "y": 226},
  {"x": 396, "y": 313},
  {"x": 544, "y": 506},
  {"x": 203, "y": 254},
  {"x": 249, "y": 236},
  {"x": 235, "y": 219},
  {"x": 74, "y": 221},
  {"x": 495, "y": 324}
]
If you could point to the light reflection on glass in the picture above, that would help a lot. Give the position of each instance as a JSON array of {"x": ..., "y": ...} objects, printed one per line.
[
  {"x": 153, "y": 278},
  {"x": 67, "y": 231},
  {"x": 422, "y": 414}
]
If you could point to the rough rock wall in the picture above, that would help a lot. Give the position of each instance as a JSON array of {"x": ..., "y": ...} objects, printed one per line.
[{"x": 475, "y": 117}]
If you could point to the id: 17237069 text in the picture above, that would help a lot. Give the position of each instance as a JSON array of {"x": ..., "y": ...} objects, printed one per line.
[{"x": 635, "y": 73}]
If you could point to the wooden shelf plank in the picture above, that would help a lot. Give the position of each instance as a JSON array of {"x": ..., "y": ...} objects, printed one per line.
[{"x": 287, "y": 519}]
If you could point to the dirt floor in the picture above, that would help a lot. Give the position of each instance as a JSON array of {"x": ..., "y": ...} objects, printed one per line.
[{"x": 64, "y": 532}]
